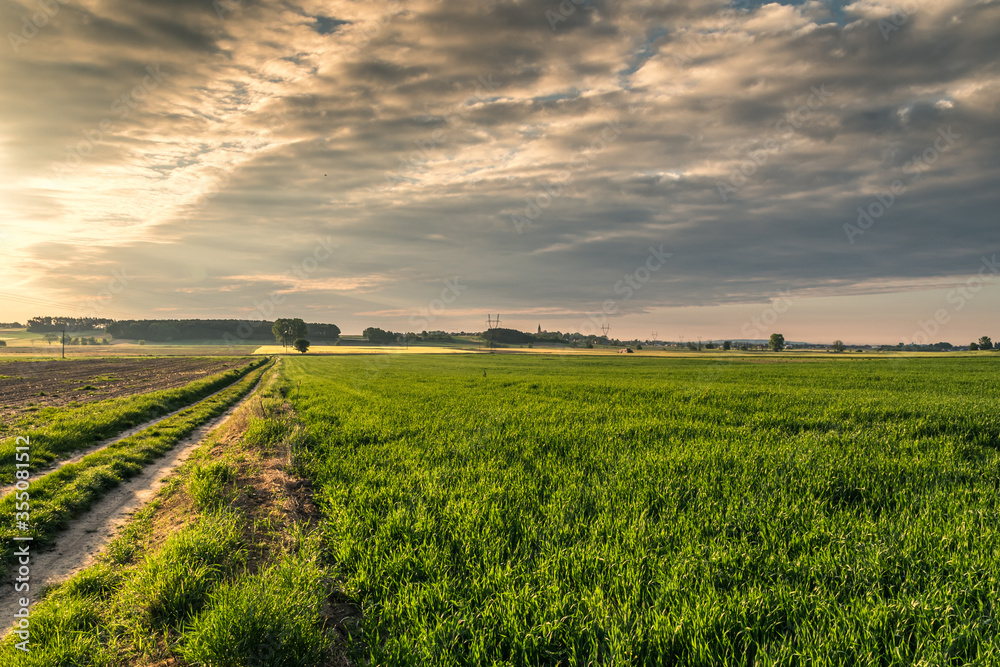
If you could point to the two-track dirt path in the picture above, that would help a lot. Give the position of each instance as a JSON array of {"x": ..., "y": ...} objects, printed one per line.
[
  {"x": 59, "y": 463},
  {"x": 77, "y": 546}
]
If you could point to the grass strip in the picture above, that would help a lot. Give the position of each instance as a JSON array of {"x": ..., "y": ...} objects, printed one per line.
[
  {"x": 74, "y": 429},
  {"x": 62, "y": 495}
]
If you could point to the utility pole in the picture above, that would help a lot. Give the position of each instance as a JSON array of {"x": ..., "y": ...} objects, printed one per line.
[
  {"x": 606, "y": 328},
  {"x": 64, "y": 343},
  {"x": 655, "y": 334}
]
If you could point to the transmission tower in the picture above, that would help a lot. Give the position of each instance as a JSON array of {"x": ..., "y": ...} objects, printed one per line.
[
  {"x": 655, "y": 334},
  {"x": 492, "y": 325}
]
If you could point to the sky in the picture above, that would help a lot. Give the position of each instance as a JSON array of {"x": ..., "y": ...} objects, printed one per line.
[{"x": 827, "y": 170}]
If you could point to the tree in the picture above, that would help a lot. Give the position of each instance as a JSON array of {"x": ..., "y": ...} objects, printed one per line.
[
  {"x": 973, "y": 346},
  {"x": 985, "y": 343},
  {"x": 777, "y": 342},
  {"x": 3, "y": 343},
  {"x": 727, "y": 345},
  {"x": 51, "y": 338},
  {"x": 286, "y": 330},
  {"x": 376, "y": 335},
  {"x": 301, "y": 344},
  {"x": 838, "y": 346}
]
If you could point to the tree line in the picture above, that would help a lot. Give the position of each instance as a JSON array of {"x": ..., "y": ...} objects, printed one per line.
[
  {"x": 178, "y": 330},
  {"x": 46, "y": 324}
]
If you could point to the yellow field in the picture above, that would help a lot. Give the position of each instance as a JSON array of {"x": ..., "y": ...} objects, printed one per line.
[{"x": 367, "y": 349}]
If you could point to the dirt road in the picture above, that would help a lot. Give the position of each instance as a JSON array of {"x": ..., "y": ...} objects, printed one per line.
[{"x": 79, "y": 544}]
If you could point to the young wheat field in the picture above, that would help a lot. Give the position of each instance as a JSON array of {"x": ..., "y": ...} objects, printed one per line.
[{"x": 763, "y": 510}]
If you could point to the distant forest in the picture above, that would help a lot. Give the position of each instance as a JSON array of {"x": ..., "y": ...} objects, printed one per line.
[
  {"x": 175, "y": 330},
  {"x": 49, "y": 324},
  {"x": 171, "y": 330}
]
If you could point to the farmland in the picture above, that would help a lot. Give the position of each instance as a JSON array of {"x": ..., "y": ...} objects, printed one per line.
[
  {"x": 532, "y": 510},
  {"x": 59, "y": 429},
  {"x": 55, "y": 382},
  {"x": 521, "y": 509}
]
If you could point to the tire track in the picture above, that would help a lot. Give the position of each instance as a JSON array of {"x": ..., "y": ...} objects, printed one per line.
[{"x": 107, "y": 442}]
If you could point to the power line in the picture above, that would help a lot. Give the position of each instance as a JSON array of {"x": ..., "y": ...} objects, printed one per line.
[{"x": 47, "y": 303}]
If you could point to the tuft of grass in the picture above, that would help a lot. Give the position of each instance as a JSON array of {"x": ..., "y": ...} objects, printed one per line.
[
  {"x": 263, "y": 432},
  {"x": 171, "y": 584},
  {"x": 64, "y": 633},
  {"x": 211, "y": 484},
  {"x": 270, "y": 619}
]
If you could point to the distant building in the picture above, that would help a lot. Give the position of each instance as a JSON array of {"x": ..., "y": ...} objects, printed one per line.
[{"x": 539, "y": 328}]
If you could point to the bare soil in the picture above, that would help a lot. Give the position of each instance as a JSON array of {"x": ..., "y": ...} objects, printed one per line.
[{"x": 29, "y": 385}]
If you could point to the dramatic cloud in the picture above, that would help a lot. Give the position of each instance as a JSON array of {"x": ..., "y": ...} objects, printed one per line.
[{"x": 352, "y": 157}]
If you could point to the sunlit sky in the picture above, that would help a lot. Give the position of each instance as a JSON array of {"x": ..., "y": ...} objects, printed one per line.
[{"x": 692, "y": 168}]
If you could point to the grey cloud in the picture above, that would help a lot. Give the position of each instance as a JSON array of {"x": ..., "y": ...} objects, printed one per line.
[{"x": 277, "y": 112}]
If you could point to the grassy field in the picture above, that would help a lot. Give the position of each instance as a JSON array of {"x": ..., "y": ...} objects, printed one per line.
[
  {"x": 540, "y": 510},
  {"x": 515, "y": 509}
]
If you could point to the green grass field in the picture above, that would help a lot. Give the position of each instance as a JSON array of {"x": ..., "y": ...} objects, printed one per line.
[{"x": 544, "y": 510}]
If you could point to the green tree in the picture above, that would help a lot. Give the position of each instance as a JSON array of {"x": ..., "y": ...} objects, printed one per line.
[
  {"x": 51, "y": 338},
  {"x": 985, "y": 343},
  {"x": 376, "y": 335},
  {"x": 301, "y": 344},
  {"x": 838, "y": 346},
  {"x": 286, "y": 330},
  {"x": 777, "y": 342},
  {"x": 727, "y": 345},
  {"x": 973, "y": 346}
]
